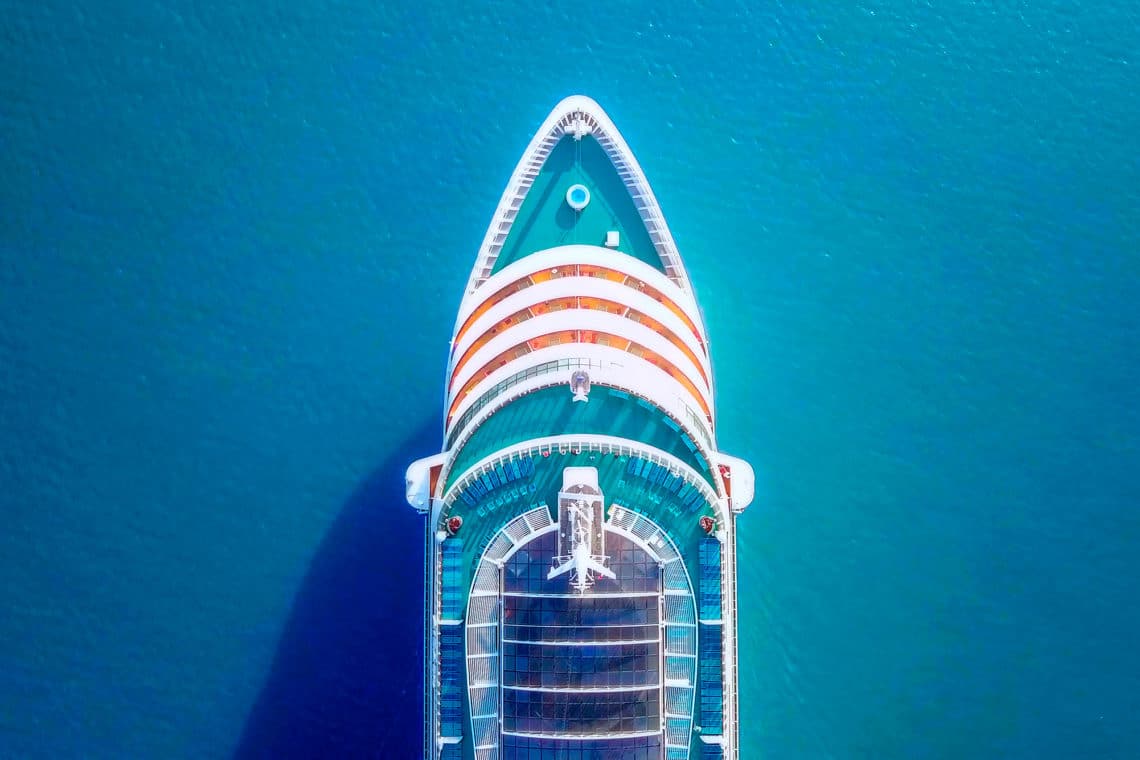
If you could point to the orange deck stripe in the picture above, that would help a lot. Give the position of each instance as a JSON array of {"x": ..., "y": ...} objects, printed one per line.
[
  {"x": 586, "y": 270},
  {"x": 577, "y": 336},
  {"x": 579, "y": 302}
]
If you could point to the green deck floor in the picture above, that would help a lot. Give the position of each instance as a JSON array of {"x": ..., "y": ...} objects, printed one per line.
[
  {"x": 546, "y": 221},
  {"x": 550, "y": 411}
]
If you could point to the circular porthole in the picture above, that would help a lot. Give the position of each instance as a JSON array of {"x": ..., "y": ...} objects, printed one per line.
[{"x": 578, "y": 197}]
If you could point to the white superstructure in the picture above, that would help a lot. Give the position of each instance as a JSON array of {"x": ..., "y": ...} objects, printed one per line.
[{"x": 580, "y": 472}]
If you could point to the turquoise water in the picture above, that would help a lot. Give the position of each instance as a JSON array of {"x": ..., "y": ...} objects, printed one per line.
[{"x": 233, "y": 238}]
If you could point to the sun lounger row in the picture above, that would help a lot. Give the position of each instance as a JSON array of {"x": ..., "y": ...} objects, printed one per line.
[
  {"x": 657, "y": 475},
  {"x": 501, "y": 475},
  {"x": 511, "y": 494}
]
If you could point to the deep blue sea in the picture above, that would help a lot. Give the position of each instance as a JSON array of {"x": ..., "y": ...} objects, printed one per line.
[{"x": 233, "y": 238}]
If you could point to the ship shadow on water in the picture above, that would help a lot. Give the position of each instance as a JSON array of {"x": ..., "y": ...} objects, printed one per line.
[{"x": 347, "y": 680}]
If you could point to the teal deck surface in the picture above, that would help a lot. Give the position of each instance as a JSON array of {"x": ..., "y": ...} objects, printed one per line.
[
  {"x": 550, "y": 411},
  {"x": 656, "y": 502},
  {"x": 545, "y": 220}
]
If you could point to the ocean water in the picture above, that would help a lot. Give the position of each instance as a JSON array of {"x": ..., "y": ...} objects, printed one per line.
[{"x": 233, "y": 237}]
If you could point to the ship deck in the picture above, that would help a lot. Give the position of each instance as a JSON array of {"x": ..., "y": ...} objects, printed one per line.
[
  {"x": 549, "y": 411},
  {"x": 644, "y": 665},
  {"x": 545, "y": 220},
  {"x": 484, "y": 516},
  {"x": 624, "y": 481}
]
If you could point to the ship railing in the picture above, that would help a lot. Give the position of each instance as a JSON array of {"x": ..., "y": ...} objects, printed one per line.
[
  {"x": 731, "y": 670},
  {"x": 589, "y": 443},
  {"x": 512, "y": 202},
  {"x": 689, "y": 420},
  {"x": 705, "y": 451},
  {"x": 430, "y": 727},
  {"x": 556, "y": 365},
  {"x": 484, "y": 627},
  {"x": 647, "y": 207},
  {"x": 436, "y": 683},
  {"x": 629, "y": 171},
  {"x": 678, "y": 617}
]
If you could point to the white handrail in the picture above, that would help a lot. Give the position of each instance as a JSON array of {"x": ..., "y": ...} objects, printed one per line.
[{"x": 577, "y": 109}]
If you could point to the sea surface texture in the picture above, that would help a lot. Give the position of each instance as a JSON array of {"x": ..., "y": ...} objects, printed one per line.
[{"x": 233, "y": 239}]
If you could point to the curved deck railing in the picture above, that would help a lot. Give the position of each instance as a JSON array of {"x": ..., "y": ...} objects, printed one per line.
[
  {"x": 682, "y": 415},
  {"x": 678, "y": 654},
  {"x": 586, "y": 443},
  {"x": 731, "y": 668},
  {"x": 484, "y": 667},
  {"x": 693, "y": 420},
  {"x": 580, "y": 116}
]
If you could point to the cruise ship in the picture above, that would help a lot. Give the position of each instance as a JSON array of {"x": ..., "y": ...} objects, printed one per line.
[{"x": 581, "y": 565}]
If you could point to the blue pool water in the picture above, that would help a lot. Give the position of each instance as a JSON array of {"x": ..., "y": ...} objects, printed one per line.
[{"x": 233, "y": 237}]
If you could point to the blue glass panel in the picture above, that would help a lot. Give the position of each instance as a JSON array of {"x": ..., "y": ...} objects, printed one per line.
[
  {"x": 557, "y": 642},
  {"x": 636, "y": 571},
  {"x": 581, "y": 713},
  {"x": 709, "y": 602},
  {"x": 709, "y": 679},
  {"x": 451, "y": 577},
  {"x": 451, "y": 680},
  {"x": 603, "y": 634},
  {"x": 712, "y": 752},
  {"x": 630, "y": 748},
  {"x": 575, "y": 666}
]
